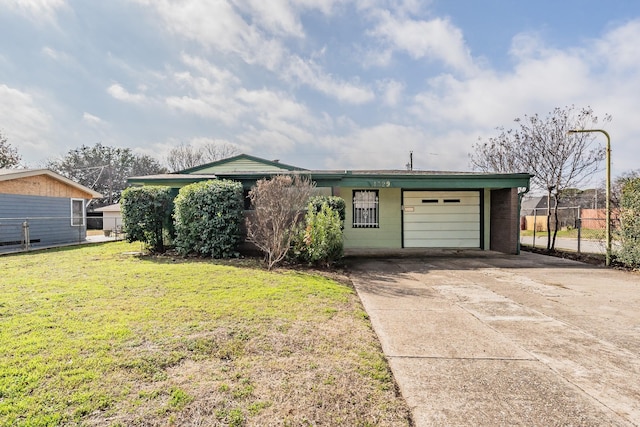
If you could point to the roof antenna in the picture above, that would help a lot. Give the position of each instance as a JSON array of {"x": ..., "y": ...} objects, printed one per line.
[{"x": 410, "y": 164}]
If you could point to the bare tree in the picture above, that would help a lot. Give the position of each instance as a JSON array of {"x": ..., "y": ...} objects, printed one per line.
[
  {"x": 186, "y": 156},
  {"x": 218, "y": 150},
  {"x": 9, "y": 157},
  {"x": 542, "y": 146},
  {"x": 278, "y": 204}
]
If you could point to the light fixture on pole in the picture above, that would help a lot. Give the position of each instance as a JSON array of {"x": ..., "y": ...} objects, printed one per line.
[{"x": 608, "y": 184}]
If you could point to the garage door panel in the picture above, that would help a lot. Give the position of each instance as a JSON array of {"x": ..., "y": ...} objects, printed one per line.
[
  {"x": 427, "y": 202},
  {"x": 472, "y": 210},
  {"x": 441, "y": 243},
  {"x": 441, "y": 219},
  {"x": 438, "y": 226},
  {"x": 445, "y": 234}
]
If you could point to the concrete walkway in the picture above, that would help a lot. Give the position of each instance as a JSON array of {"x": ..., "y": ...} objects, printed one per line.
[{"x": 485, "y": 339}]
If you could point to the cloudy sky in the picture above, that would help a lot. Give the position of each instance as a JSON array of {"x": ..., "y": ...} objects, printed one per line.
[{"x": 315, "y": 83}]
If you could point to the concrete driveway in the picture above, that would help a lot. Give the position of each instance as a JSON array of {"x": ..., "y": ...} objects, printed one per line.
[{"x": 485, "y": 339}]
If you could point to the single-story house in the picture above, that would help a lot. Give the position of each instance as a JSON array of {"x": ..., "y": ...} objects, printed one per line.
[
  {"x": 40, "y": 207},
  {"x": 111, "y": 217},
  {"x": 394, "y": 209}
]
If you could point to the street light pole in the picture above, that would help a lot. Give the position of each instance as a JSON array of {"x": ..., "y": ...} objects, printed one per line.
[{"x": 608, "y": 201}]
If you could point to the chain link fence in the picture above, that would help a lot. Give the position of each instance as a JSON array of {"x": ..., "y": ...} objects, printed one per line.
[
  {"x": 23, "y": 234},
  {"x": 580, "y": 230}
]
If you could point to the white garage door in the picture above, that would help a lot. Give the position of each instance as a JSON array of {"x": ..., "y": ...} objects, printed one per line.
[{"x": 441, "y": 219}]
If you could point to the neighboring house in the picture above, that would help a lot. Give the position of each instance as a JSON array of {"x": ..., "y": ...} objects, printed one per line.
[
  {"x": 39, "y": 207},
  {"x": 575, "y": 205},
  {"x": 394, "y": 209},
  {"x": 111, "y": 217}
]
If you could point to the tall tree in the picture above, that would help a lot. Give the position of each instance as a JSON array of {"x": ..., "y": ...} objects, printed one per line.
[
  {"x": 542, "y": 146},
  {"x": 104, "y": 169},
  {"x": 9, "y": 157},
  {"x": 186, "y": 156}
]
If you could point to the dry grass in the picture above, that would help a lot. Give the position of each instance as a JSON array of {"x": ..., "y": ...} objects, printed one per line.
[{"x": 93, "y": 336}]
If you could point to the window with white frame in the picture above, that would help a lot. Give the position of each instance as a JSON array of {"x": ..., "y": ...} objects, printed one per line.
[
  {"x": 366, "y": 213},
  {"x": 77, "y": 212}
]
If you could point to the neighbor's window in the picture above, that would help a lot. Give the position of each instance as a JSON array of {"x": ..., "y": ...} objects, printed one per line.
[
  {"x": 365, "y": 209},
  {"x": 77, "y": 212}
]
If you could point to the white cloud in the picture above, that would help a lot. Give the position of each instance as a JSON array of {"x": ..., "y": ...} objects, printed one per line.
[
  {"x": 207, "y": 68},
  {"x": 92, "y": 120},
  {"x": 437, "y": 39},
  {"x": 210, "y": 96},
  {"x": 25, "y": 124},
  {"x": 312, "y": 75},
  {"x": 276, "y": 16},
  {"x": 36, "y": 10},
  {"x": 257, "y": 40},
  {"x": 392, "y": 91},
  {"x": 386, "y": 145},
  {"x": 274, "y": 104},
  {"x": 121, "y": 94},
  {"x": 602, "y": 73},
  {"x": 489, "y": 98},
  {"x": 619, "y": 50},
  {"x": 56, "y": 55},
  {"x": 218, "y": 25}
]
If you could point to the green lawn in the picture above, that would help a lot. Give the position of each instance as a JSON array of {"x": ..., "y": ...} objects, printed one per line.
[
  {"x": 585, "y": 233},
  {"x": 96, "y": 335}
]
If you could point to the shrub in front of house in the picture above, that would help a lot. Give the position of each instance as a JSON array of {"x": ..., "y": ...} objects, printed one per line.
[
  {"x": 319, "y": 239},
  {"x": 629, "y": 252},
  {"x": 146, "y": 215},
  {"x": 335, "y": 203},
  {"x": 208, "y": 217}
]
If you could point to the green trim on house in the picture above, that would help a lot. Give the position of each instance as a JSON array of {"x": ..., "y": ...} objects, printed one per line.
[
  {"x": 486, "y": 225},
  {"x": 169, "y": 180}
]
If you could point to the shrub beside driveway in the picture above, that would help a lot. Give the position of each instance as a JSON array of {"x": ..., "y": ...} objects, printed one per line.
[{"x": 96, "y": 335}]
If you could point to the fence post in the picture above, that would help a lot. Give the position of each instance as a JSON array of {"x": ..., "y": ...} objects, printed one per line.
[
  {"x": 535, "y": 225},
  {"x": 25, "y": 234},
  {"x": 579, "y": 228}
]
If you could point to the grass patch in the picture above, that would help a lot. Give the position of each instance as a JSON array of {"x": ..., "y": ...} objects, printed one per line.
[
  {"x": 93, "y": 335},
  {"x": 585, "y": 233}
]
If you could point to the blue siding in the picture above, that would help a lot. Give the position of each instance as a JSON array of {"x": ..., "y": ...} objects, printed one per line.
[{"x": 49, "y": 220}]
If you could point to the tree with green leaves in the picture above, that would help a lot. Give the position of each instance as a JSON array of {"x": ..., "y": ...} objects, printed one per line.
[
  {"x": 208, "y": 218},
  {"x": 104, "y": 169},
  {"x": 9, "y": 157},
  {"x": 147, "y": 215},
  {"x": 543, "y": 147},
  {"x": 629, "y": 251}
]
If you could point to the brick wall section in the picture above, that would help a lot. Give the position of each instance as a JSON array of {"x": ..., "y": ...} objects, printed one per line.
[
  {"x": 504, "y": 220},
  {"x": 41, "y": 185}
]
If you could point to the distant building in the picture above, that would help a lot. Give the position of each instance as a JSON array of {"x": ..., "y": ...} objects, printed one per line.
[{"x": 39, "y": 207}]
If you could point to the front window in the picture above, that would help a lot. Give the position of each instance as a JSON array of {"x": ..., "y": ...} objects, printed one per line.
[
  {"x": 77, "y": 212},
  {"x": 365, "y": 209}
]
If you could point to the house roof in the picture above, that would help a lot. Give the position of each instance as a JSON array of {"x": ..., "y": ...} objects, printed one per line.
[
  {"x": 249, "y": 169},
  {"x": 110, "y": 208},
  {"x": 365, "y": 179},
  {"x": 11, "y": 174},
  {"x": 267, "y": 164}
]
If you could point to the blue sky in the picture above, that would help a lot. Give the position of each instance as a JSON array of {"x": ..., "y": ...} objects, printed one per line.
[{"x": 315, "y": 83}]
